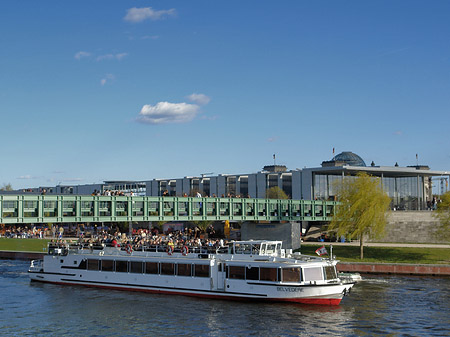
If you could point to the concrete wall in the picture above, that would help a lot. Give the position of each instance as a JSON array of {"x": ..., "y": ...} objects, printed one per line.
[
  {"x": 307, "y": 182},
  {"x": 411, "y": 226},
  {"x": 261, "y": 185},
  {"x": 297, "y": 185},
  {"x": 252, "y": 185},
  {"x": 288, "y": 232},
  {"x": 402, "y": 227}
]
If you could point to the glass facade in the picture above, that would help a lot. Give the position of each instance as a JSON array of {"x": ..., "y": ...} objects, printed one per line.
[
  {"x": 243, "y": 181},
  {"x": 286, "y": 180},
  {"x": 406, "y": 193},
  {"x": 325, "y": 186}
]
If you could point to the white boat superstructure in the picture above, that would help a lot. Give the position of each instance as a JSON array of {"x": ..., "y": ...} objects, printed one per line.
[{"x": 258, "y": 270}]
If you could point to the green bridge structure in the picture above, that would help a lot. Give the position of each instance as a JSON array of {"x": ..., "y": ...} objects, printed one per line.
[{"x": 37, "y": 209}]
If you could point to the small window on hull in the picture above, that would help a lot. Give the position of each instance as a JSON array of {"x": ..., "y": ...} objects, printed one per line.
[
  {"x": 236, "y": 272},
  {"x": 329, "y": 272},
  {"x": 184, "y": 269},
  {"x": 167, "y": 268},
  {"x": 92, "y": 264},
  {"x": 313, "y": 274},
  {"x": 201, "y": 270},
  {"x": 107, "y": 265},
  {"x": 252, "y": 273},
  {"x": 121, "y": 266},
  {"x": 291, "y": 274},
  {"x": 136, "y": 267},
  {"x": 151, "y": 267},
  {"x": 268, "y": 274}
]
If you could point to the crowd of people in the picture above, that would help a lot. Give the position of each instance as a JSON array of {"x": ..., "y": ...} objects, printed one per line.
[
  {"x": 139, "y": 239},
  {"x": 22, "y": 232},
  {"x": 144, "y": 239},
  {"x": 166, "y": 193}
]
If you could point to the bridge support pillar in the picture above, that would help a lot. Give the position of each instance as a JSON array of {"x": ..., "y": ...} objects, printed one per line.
[{"x": 288, "y": 232}]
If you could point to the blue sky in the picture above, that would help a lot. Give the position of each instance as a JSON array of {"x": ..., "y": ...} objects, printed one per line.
[{"x": 103, "y": 90}]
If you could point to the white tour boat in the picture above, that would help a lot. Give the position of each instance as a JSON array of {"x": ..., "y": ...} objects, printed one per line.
[{"x": 257, "y": 270}]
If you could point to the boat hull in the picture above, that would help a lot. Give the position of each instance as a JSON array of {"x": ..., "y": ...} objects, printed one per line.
[{"x": 306, "y": 294}]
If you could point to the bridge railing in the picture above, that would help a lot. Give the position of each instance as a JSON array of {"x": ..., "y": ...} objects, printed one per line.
[{"x": 82, "y": 208}]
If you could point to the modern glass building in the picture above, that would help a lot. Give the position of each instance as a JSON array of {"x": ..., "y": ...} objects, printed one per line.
[{"x": 410, "y": 188}]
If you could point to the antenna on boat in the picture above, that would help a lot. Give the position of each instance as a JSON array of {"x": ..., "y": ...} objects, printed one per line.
[{"x": 331, "y": 252}]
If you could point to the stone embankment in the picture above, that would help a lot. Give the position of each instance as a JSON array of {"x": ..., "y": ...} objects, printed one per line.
[
  {"x": 396, "y": 268},
  {"x": 13, "y": 255},
  {"x": 390, "y": 268}
]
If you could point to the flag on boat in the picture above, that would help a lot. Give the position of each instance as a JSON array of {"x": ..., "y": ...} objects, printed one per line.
[{"x": 321, "y": 251}]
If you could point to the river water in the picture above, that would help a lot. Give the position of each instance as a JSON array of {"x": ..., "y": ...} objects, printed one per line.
[{"x": 377, "y": 306}]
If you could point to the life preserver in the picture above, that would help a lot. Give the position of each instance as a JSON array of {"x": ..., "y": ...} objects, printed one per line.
[
  {"x": 169, "y": 250},
  {"x": 184, "y": 250},
  {"x": 129, "y": 249}
]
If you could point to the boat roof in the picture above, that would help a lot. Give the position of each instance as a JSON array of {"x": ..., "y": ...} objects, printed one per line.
[{"x": 256, "y": 242}]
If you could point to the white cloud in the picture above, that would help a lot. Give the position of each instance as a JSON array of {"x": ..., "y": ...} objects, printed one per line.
[
  {"x": 112, "y": 56},
  {"x": 398, "y": 133},
  {"x": 140, "y": 14},
  {"x": 68, "y": 180},
  {"x": 165, "y": 112},
  {"x": 200, "y": 99},
  {"x": 27, "y": 176},
  {"x": 107, "y": 78},
  {"x": 82, "y": 54},
  {"x": 272, "y": 139}
]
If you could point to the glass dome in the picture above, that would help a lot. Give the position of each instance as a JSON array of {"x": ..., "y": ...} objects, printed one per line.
[{"x": 350, "y": 158}]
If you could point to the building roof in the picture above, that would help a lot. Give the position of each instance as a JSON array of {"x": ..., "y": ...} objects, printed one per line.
[
  {"x": 387, "y": 171},
  {"x": 345, "y": 158}
]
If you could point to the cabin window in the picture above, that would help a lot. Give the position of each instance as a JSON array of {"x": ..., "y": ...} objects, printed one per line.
[
  {"x": 291, "y": 274},
  {"x": 184, "y": 269},
  {"x": 136, "y": 267},
  {"x": 236, "y": 272},
  {"x": 252, "y": 273},
  {"x": 92, "y": 264},
  {"x": 268, "y": 274},
  {"x": 151, "y": 267},
  {"x": 263, "y": 249},
  {"x": 271, "y": 249},
  {"x": 121, "y": 266},
  {"x": 242, "y": 248},
  {"x": 201, "y": 270},
  {"x": 167, "y": 268},
  {"x": 329, "y": 272},
  {"x": 313, "y": 274},
  {"x": 107, "y": 265}
]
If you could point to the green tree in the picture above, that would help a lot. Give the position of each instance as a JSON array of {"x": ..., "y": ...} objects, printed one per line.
[
  {"x": 442, "y": 213},
  {"x": 6, "y": 187},
  {"x": 362, "y": 208},
  {"x": 276, "y": 193}
]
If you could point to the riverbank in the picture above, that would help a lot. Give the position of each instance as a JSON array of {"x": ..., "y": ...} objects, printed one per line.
[
  {"x": 16, "y": 255},
  {"x": 394, "y": 269}
]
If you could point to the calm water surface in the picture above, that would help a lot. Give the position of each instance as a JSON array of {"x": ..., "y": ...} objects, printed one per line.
[{"x": 394, "y": 306}]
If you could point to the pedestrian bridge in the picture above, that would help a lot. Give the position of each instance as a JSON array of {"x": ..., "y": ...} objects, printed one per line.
[{"x": 23, "y": 209}]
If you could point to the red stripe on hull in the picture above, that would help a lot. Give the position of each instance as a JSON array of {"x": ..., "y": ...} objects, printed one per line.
[{"x": 310, "y": 300}]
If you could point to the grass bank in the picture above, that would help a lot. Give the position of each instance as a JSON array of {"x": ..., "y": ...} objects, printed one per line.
[
  {"x": 23, "y": 245},
  {"x": 385, "y": 254}
]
